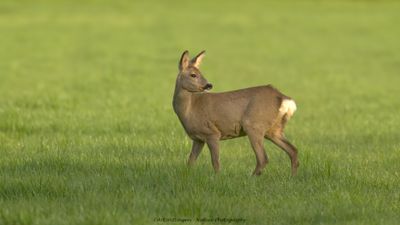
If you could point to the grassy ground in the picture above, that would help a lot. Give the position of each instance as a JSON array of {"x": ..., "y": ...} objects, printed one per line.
[{"x": 88, "y": 134}]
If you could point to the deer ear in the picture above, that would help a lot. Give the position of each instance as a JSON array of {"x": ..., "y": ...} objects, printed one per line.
[
  {"x": 184, "y": 62},
  {"x": 196, "y": 61}
]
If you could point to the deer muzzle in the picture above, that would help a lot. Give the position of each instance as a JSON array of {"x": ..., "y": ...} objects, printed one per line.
[{"x": 208, "y": 86}]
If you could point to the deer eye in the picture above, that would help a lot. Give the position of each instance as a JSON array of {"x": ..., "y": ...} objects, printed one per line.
[{"x": 193, "y": 75}]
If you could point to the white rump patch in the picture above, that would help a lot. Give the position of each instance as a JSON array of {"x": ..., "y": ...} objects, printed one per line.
[{"x": 288, "y": 107}]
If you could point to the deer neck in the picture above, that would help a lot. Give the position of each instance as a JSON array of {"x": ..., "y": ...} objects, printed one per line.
[{"x": 182, "y": 102}]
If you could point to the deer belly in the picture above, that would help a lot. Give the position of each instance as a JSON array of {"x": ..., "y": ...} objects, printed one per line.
[{"x": 233, "y": 131}]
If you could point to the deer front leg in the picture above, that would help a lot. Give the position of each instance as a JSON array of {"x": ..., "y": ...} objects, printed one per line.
[
  {"x": 213, "y": 145},
  {"x": 196, "y": 149}
]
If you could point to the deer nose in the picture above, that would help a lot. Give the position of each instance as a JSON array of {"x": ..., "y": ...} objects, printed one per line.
[{"x": 208, "y": 86}]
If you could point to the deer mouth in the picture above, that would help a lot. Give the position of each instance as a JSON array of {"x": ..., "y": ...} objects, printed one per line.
[{"x": 207, "y": 87}]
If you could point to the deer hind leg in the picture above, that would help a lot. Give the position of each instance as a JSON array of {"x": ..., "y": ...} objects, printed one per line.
[
  {"x": 257, "y": 143},
  {"x": 278, "y": 138},
  {"x": 276, "y": 135},
  {"x": 196, "y": 149}
]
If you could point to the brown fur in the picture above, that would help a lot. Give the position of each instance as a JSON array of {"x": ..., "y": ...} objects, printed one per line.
[{"x": 210, "y": 117}]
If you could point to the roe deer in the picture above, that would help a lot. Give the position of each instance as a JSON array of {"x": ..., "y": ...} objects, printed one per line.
[{"x": 258, "y": 112}]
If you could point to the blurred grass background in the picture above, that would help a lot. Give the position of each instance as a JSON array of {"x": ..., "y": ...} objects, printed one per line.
[{"x": 88, "y": 134}]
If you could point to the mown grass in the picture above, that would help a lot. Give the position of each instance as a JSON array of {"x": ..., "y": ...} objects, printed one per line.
[{"x": 88, "y": 134}]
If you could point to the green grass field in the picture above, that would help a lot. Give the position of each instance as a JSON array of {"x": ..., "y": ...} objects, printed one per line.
[{"x": 88, "y": 134}]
